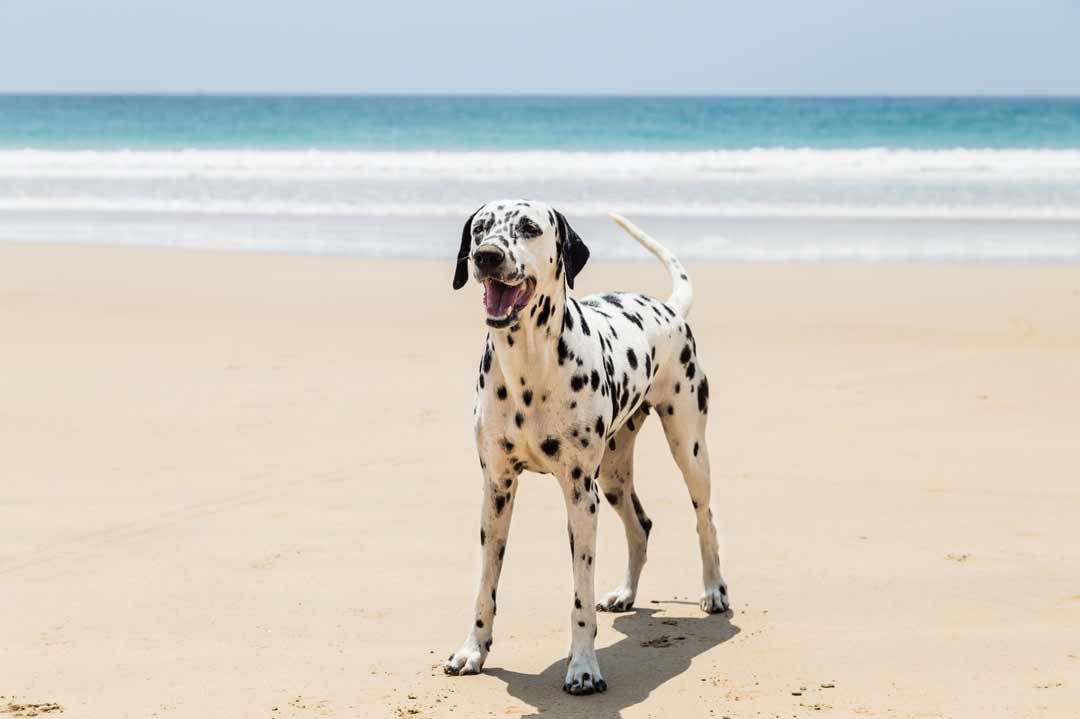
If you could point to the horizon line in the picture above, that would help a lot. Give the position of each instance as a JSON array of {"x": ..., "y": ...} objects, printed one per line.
[{"x": 552, "y": 95}]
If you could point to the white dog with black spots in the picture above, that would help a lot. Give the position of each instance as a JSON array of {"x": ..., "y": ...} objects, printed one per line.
[{"x": 563, "y": 387}]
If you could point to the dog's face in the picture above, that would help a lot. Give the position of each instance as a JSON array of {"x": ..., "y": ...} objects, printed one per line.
[{"x": 519, "y": 251}]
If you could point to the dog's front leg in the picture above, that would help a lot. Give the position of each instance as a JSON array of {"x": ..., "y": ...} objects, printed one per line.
[
  {"x": 583, "y": 671},
  {"x": 499, "y": 489}
]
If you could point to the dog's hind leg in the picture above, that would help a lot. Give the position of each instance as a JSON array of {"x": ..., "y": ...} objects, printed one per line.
[
  {"x": 500, "y": 486},
  {"x": 684, "y": 415},
  {"x": 617, "y": 484}
]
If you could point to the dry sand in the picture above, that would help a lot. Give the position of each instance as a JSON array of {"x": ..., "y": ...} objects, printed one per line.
[{"x": 244, "y": 486}]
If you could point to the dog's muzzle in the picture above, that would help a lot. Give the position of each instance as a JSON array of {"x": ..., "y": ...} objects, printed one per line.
[{"x": 488, "y": 259}]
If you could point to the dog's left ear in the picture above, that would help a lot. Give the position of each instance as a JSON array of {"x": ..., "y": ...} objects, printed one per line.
[
  {"x": 574, "y": 252},
  {"x": 461, "y": 270}
]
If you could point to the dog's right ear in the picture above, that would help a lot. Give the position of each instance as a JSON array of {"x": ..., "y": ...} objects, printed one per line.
[{"x": 461, "y": 270}]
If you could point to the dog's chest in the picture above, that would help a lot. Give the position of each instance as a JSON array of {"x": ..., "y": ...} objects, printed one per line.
[{"x": 542, "y": 429}]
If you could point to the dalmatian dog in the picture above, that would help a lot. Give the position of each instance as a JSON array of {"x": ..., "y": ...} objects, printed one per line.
[{"x": 563, "y": 387}]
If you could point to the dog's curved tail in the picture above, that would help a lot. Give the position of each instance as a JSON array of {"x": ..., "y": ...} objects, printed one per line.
[{"x": 682, "y": 292}]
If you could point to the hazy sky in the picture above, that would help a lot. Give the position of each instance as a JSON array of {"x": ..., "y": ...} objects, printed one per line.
[{"x": 553, "y": 46}]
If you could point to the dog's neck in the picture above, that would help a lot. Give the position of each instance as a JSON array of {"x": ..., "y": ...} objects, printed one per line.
[{"x": 529, "y": 347}]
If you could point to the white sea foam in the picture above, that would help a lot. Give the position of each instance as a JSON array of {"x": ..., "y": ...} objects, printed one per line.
[
  {"x": 874, "y": 164},
  {"x": 591, "y": 209},
  {"x": 916, "y": 204}
]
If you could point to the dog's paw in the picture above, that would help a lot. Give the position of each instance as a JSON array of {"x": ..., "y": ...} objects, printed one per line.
[
  {"x": 715, "y": 599},
  {"x": 583, "y": 676},
  {"x": 621, "y": 600},
  {"x": 467, "y": 660}
]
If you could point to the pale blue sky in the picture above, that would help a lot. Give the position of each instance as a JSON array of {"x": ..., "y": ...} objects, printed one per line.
[{"x": 553, "y": 46}]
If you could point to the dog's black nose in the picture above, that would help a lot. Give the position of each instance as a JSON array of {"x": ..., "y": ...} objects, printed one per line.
[{"x": 488, "y": 257}]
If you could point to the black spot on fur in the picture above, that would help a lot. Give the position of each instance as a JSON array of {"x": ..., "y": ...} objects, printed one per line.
[
  {"x": 576, "y": 474},
  {"x": 550, "y": 446},
  {"x": 631, "y": 358},
  {"x": 599, "y": 426},
  {"x": 479, "y": 624},
  {"x": 564, "y": 351},
  {"x": 594, "y": 378},
  {"x": 526, "y": 396},
  {"x": 696, "y": 448},
  {"x": 519, "y": 419},
  {"x": 684, "y": 357},
  {"x": 703, "y": 396},
  {"x": 501, "y": 392},
  {"x": 544, "y": 314},
  {"x": 643, "y": 520},
  {"x": 483, "y": 537}
]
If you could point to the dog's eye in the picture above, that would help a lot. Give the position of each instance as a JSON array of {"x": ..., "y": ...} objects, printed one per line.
[
  {"x": 482, "y": 226},
  {"x": 529, "y": 228}
]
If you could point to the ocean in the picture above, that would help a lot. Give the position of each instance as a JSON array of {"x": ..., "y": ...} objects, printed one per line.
[{"x": 725, "y": 178}]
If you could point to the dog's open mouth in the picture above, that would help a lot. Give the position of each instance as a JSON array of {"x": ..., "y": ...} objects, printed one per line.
[{"x": 502, "y": 301}]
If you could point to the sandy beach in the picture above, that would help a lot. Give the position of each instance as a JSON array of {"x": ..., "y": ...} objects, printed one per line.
[{"x": 243, "y": 485}]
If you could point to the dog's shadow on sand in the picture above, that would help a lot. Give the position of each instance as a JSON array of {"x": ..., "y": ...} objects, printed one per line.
[{"x": 649, "y": 654}]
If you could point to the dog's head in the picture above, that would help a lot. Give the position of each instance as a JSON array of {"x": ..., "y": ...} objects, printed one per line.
[{"x": 519, "y": 250}]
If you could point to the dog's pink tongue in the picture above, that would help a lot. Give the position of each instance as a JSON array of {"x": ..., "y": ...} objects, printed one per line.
[{"x": 499, "y": 298}]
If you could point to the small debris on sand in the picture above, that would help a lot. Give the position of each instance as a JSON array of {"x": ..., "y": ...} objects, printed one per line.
[
  {"x": 661, "y": 641},
  {"x": 30, "y": 710},
  {"x": 816, "y": 707},
  {"x": 952, "y": 557}
]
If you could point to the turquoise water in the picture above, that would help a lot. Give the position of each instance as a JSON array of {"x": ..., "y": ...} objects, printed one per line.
[{"x": 529, "y": 123}]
